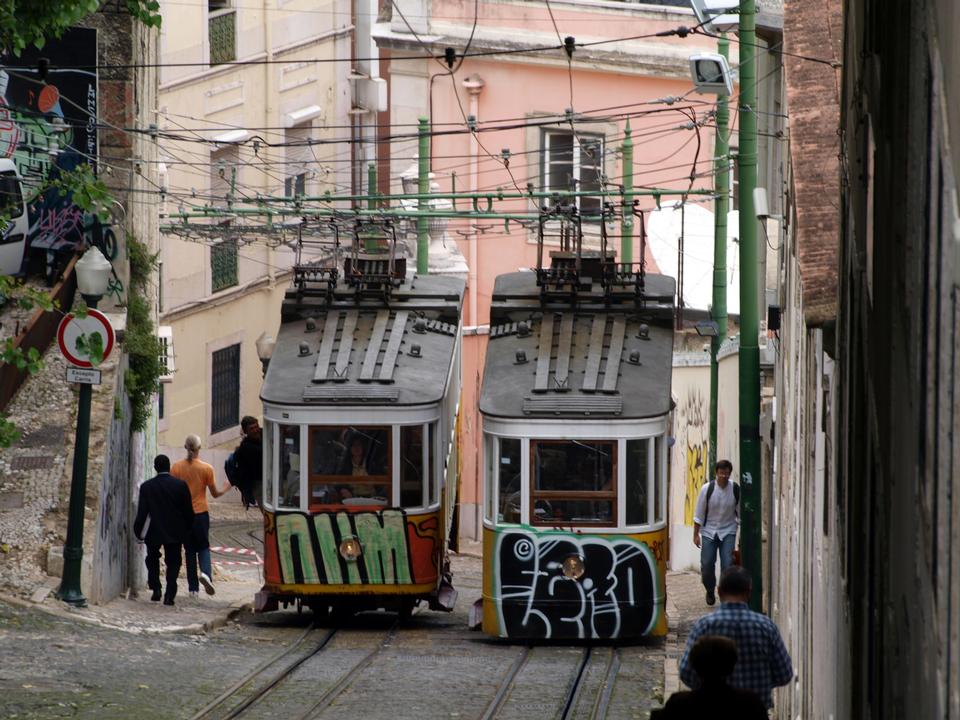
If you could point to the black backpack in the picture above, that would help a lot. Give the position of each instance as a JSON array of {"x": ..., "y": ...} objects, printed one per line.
[
  {"x": 232, "y": 468},
  {"x": 706, "y": 505}
]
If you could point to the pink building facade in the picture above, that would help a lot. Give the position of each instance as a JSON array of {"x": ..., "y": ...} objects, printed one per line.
[{"x": 519, "y": 101}]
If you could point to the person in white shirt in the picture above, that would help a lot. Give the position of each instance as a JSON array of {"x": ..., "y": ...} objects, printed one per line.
[{"x": 715, "y": 521}]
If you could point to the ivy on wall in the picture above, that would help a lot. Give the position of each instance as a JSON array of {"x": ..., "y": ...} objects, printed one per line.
[{"x": 142, "y": 378}]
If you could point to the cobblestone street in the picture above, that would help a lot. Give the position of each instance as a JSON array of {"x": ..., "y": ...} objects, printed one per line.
[{"x": 137, "y": 655}]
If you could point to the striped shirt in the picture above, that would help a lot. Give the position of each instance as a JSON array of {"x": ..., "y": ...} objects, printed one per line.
[{"x": 763, "y": 662}]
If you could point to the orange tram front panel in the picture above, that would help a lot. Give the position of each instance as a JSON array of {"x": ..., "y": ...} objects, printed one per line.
[
  {"x": 621, "y": 593},
  {"x": 399, "y": 553}
]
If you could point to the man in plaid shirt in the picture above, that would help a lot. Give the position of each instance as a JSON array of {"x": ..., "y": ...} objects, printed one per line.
[{"x": 763, "y": 662}]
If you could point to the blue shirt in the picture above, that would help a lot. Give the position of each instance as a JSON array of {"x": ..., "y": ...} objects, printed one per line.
[{"x": 763, "y": 662}]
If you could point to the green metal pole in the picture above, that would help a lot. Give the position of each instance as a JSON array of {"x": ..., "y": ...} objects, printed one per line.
[
  {"x": 423, "y": 237},
  {"x": 69, "y": 590},
  {"x": 626, "y": 226},
  {"x": 718, "y": 312},
  {"x": 370, "y": 244},
  {"x": 750, "y": 497}
]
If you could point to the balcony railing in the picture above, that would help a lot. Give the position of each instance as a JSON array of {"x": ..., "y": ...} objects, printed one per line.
[{"x": 223, "y": 37}]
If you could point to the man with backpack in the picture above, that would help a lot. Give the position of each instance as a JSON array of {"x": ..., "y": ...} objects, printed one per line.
[
  {"x": 244, "y": 466},
  {"x": 715, "y": 521}
]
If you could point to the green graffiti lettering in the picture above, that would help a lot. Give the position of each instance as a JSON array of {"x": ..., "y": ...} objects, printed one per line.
[
  {"x": 328, "y": 548},
  {"x": 290, "y": 526},
  {"x": 384, "y": 547}
]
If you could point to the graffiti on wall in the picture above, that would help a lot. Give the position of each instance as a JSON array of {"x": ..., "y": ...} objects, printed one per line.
[
  {"x": 694, "y": 418},
  {"x": 48, "y": 123},
  {"x": 616, "y": 595},
  {"x": 395, "y": 549}
]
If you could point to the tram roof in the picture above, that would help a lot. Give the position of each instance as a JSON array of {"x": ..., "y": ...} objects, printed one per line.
[
  {"x": 549, "y": 358},
  {"x": 395, "y": 351}
]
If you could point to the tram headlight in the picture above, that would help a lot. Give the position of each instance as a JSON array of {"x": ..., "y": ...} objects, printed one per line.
[
  {"x": 573, "y": 567},
  {"x": 350, "y": 548}
]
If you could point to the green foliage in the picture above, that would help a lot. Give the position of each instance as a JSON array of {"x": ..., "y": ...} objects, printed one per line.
[
  {"x": 8, "y": 432},
  {"x": 91, "y": 345},
  {"x": 33, "y": 22},
  {"x": 31, "y": 360},
  {"x": 87, "y": 191},
  {"x": 142, "y": 379}
]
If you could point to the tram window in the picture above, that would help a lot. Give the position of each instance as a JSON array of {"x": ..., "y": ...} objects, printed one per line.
[
  {"x": 489, "y": 443},
  {"x": 411, "y": 466},
  {"x": 288, "y": 495},
  {"x": 268, "y": 441},
  {"x": 574, "y": 482},
  {"x": 658, "y": 480},
  {"x": 509, "y": 480},
  {"x": 432, "y": 486},
  {"x": 638, "y": 452},
  {"x": 350, "y": 465}
]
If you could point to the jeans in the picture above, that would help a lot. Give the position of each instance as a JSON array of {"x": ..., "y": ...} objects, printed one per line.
[
  {"x": 709, "y": 547},
  {"x": 198, "y": 546}
]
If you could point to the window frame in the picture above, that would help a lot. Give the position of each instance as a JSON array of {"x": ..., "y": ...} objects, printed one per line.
[
  {"x": 235, "y": 417},
  {"x": 213, "y": 15},
  {"x": 313, "y": 479},
  {"x": 610, "y": 496},
  {"x": 576, "y": 166}
]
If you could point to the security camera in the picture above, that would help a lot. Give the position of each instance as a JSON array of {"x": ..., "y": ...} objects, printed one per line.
[
  {"x": 711, "y": 74},
  {"x": 717, "y": 15}
]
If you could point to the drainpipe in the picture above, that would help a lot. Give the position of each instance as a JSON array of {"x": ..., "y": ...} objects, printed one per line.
[
  {"x": 474, "y": 86},
  {"x": 423, "y": 188},
  {"x": 268, "y": 70}
]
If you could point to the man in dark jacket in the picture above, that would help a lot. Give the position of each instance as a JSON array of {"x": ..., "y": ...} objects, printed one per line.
[
  {"x": 249, "y": 458},
  {"x": 164, "y": 519}
]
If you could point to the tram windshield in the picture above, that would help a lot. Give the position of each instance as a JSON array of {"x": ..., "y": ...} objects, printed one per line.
[
  {"x": 574, "y": 482},
  {"x": 349, "y": 465}
]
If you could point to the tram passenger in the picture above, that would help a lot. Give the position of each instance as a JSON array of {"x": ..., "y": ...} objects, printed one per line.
[
  {"x": 198, "y": 476},
  {"x": 713, "y": 657}
]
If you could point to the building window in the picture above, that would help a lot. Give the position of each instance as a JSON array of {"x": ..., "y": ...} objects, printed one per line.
[
  {"x": 298, "y": 155},
  {"x": 167, "y": 366},
  {"x": 223, "y": 253},
  {"x": 223, "y": 265},
  {"x": 222, "y": 31},
  {"x": 225, "y": 393},
  {"x": 573, "y": 162}
]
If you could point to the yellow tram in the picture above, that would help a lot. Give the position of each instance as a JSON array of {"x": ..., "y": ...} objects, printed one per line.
[
  {"x": 575, "y": 404},
  {"x": 360, "y": 403}
]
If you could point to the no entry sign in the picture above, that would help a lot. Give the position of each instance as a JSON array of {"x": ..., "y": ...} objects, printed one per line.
[{"x": 71, "y": 328}]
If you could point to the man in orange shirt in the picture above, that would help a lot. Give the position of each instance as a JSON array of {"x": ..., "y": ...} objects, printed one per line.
[{"x": 198, "y": 476}]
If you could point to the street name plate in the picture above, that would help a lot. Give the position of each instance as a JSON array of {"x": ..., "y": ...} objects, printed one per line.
[{"x": 83, "y": 375}]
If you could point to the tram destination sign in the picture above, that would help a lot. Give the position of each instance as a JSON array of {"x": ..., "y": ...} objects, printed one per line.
[{"x": 86, "y": 376}]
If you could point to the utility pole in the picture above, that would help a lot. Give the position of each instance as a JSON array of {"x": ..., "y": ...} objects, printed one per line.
[
  {"x": 423, "y": 188},
  {"x": 626, "y": 223},
  {"x": 751, "y": 537},
  {"x": 718, "y": 308}
]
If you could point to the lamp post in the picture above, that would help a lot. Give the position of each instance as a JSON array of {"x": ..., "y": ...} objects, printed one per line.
[
  {"x": 93, "y": 275},
  {"x": 265, "y": 345}
]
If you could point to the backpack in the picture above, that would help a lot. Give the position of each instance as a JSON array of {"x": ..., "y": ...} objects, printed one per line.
[
  {"x": 232, "y": 468},
  {"x": 706, "y": 505}
]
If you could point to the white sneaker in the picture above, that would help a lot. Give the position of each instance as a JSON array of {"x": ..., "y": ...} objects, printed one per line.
[
  {"x": 207, "y": 583},
  {"x": 194, "y": 594}
]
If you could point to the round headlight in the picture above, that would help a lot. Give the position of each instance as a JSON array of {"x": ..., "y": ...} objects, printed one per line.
[
  {"x": 573, "y": 567},
  {"x": 350, "y": 548}
]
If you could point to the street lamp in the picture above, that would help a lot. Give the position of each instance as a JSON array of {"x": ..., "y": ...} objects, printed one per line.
[
  {"x": 265, "y": 345},
  {"x": 707, "y": 328},
  {"x": 93, "y": 276}
]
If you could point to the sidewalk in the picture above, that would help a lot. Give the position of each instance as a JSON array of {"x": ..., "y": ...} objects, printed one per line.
[{"x": 685, "y": 605}]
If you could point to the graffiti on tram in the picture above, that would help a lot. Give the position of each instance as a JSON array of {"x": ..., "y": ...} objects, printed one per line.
[
  {"x": 395, "y": 549},
  {"x": 616, "y": 594}
]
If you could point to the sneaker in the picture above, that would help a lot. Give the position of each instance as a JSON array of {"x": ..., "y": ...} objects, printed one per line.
[
  {"x": 207, "y": 583},
  {"x": 194, "y": 594},
  {"x": 711, "y": 598},
  {"x": 155, "y": 596}
]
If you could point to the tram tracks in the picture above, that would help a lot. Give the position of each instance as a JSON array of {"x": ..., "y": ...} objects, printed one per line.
[{"x": 586, "y": 696}]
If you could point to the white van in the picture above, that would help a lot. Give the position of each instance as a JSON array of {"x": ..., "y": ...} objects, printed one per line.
[{"x": 13, "y": 243}]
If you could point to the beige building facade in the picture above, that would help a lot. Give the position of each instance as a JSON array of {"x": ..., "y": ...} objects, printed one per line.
[{"x": 255, "y": 98}]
